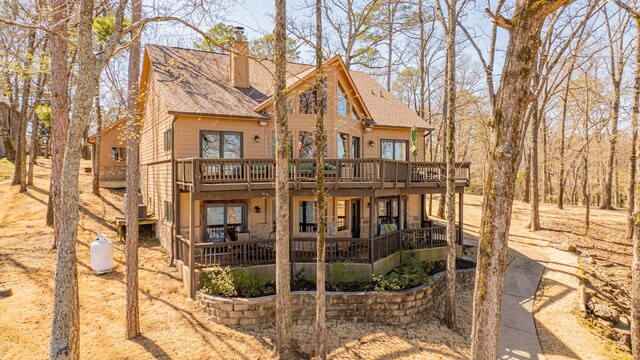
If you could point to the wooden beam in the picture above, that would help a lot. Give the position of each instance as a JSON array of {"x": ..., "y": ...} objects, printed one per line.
[{"x": 192, "y": 247}]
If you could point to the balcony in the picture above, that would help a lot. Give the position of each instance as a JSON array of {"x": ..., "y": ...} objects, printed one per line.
[{"x": 201, "y": 175}]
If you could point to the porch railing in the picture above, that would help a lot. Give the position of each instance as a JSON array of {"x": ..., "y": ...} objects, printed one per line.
[
  {"x": 261, "y": 252},
  {"x": 377, "y": 172}
]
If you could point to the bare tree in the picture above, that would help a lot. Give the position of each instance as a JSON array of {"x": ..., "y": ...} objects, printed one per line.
[
  {"x": 133, "y": 177},
  {"x": 59, "y": 111},
  {"x": 95, "y": 183},
  {"x": 450, "y": 26},
  {"x": 512, "y": 100},
  {"x": 284, "y": 335},
  {"x": 321, "y": 326}
]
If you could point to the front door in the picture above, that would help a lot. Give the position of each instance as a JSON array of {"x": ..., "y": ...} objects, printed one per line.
[{"x": 355, "y": 218}]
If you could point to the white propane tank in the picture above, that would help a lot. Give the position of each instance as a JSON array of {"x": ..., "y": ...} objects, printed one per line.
[{"x": 101, "y": 254}]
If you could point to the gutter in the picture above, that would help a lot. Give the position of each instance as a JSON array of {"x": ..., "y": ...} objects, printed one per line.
[{"x": 174, "y": 196}]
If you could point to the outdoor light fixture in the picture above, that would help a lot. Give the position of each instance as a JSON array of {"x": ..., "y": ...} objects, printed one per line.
[
  {"x": 370, "y": 142},
  {"x": 256, "y": 138},
  {"x": 263, "y": 123},
  {"x": 368, "y": 129},
  {"x": 257, "y": 208}
]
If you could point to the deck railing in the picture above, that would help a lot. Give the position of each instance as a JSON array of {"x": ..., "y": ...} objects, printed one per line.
[
  {"x": 261, "y": 252},
  {"x": 377, "y": 172}
]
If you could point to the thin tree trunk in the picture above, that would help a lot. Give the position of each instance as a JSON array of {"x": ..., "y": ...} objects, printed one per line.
[
  {"x": 563, "y": 126},
  {"x": 20, "y": 174},
  {"x": 33, "y": 151},
  {"x": 65, "y": 326},
  {"x": 96, "y": 153},
  {"x": 321, "y": 327},
  {"x": 534, "y": 222},
  {"x": 634, "y": 143},
  {"x": 526, "y": 197},
  {"x": 450, "y": 25},
  {"x": 133, "y": 179},
  {"x": 511, "y": 105},
  {"x": 59, "y": 112},
  {"x": 546, "y": 181},
  {"x": 284, "y": 322}
]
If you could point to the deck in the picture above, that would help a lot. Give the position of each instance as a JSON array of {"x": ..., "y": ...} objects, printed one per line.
[
  {"x": 203, "y": 175},
  {"x": 303, "y": 250}
]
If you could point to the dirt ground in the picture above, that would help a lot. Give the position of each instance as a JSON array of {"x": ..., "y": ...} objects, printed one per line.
[
  {"x": 562, "y": 332},
  {"x": 172, "y": 325}
]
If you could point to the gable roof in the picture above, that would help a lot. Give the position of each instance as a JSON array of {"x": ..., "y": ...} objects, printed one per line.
[
  {"x": 91, "y": 139},
  {"x": 197, "y": 82},
  {"x": 386, "y": 109}
]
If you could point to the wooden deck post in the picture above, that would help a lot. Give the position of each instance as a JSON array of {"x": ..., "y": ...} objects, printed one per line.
[
  {"x": 192, "y": 246},
  {"x": 461, "y": 217},
  {"x": 372, "y": 232}
]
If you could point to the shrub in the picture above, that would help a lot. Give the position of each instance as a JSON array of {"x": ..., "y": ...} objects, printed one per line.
[
  {"x": 410, "y": 274},
  {"x": 218, "y": 281},
  {"x": 249, "y": 284},
  {"x": 339, "y": 276}
]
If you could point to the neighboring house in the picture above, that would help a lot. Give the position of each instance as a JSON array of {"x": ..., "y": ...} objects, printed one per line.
[
  {"x": 113, "y": 155},
  {"x": 9, "y": 126},
  {"x": 207, "y": 164}
]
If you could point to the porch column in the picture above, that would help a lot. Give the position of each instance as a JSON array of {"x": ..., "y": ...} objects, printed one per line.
[
  {"x": 372, "y": 227},
  {"x": 291, "y": 257},
  {"x": 192, "y": 246},
  {"x": 461, "y": 216}
]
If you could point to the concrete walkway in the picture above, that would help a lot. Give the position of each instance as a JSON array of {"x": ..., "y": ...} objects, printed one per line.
[{"x": 518, "y": 336}]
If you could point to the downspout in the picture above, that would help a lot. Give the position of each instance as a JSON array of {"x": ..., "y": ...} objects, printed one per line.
[{"x": 174, "y": 194}]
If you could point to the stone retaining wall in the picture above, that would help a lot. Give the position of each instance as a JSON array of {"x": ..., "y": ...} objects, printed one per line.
[{"x": 389, "y": 307}]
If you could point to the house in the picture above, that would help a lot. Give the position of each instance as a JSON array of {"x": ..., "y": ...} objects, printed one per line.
[
  {"x": 207, "y": 164},
  {"x": 113, "y": 155},
  {"x": 9, "y": 127}
]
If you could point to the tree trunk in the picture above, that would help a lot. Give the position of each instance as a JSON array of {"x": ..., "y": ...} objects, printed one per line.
[
  {"x": 65, "y": 326},
  {"x": 526, "y": 197},
  {"x": 534, "y": 222},
  {"x": 96, "y": 152},
  {"x": 511, "y": 105},
  {"x": 59, "y": 111},
  {"x": 450, "y": 317},
  {"x": 133, "y": 179},
  {"x": 284, "y": 323},
  {"x": 607, "y": 196},
  {"x": 321, "y": 327},
  {"x": 634, "y": 144},
  {"x": 20, "y": 174},
  {"x": 33, "y": 151},
  {"x": 563, "y": 126}
]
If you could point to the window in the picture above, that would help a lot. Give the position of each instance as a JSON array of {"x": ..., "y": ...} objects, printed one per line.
[
  {"x": 168, "y": 211},
  {"x": 391, "y": 215},
  {"x": 394, "y": 149},
  {"x": 308, "y": 216},
  {"x": 290, "y": 107},
  {"x": 167, "y": 140},
  {"x": 341, "y": 215},
  {"x": 118, "y": 154},
  {"x": 224, "y": 221},
  {"x": 221, "y": 145},
  {"x": 343, "y": 141},
  {"x": 308, "y": 100},
  {"x": 355, "y": 147},
  {"x": 342, "y": 103},
  {"x": 307, "y": 145},
  {"x": 273, "y": 144}
]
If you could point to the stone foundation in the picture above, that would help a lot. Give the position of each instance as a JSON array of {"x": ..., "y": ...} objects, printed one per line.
[
  {"x": 388, "y": 307},
  {"x": 113, "y": 173}
]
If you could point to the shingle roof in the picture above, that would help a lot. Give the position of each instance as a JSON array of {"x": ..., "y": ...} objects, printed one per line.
[
  {"x": 194, "y": 81},
  {"x": 385, "y": 109}
]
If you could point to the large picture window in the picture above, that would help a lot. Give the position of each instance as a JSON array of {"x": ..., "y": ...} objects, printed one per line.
[
  {"x": 307, "y": 217},
  {"x": 220, "y": 145},
  {"x": 341, "y": 215},
  {"x": 224, "y": 221},
  {"x": 308, "y": 100},
  {"x": 307, "y": 145},
  {"x": 394, "y": 149},
  {"x": 342, "y": 103}
]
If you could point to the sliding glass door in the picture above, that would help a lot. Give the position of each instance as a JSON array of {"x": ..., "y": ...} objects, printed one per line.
[{"x": 223, "y": 222}]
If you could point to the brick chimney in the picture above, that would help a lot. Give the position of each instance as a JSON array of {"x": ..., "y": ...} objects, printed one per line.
[{"x": 239, "y": 64}]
